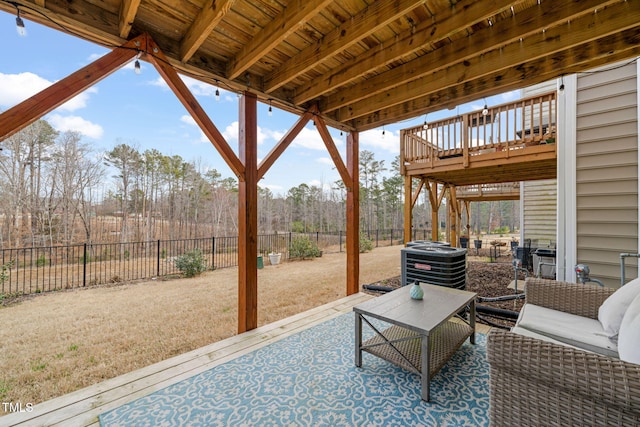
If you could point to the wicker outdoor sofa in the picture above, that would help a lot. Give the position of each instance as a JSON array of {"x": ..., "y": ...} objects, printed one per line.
[{"x": 541, "y": 382}]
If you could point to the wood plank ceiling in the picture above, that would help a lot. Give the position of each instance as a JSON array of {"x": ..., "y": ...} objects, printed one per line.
[{"x": 362, "y": 63}]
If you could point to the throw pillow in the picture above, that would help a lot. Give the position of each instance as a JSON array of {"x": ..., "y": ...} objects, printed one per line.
[
  {"x": 612, "y": 310},
  {"x": 629, "y": 336}
]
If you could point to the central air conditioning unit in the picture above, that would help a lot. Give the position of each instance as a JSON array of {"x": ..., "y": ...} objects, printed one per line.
[{"x": 435, "y": 264}]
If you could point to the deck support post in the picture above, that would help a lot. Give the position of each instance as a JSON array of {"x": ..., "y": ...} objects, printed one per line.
[
  {"x": 434, "y": 201},
  {"x": 408, "y": 209},
  {"x": 353, "y": 214},
  {"x": 248, "y": 215}
]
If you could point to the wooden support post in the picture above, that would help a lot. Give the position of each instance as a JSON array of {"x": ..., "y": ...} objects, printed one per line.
[
  {"x": 467, "y": 207},
  {"x": 435, "y": 206},
  {"x": 408, "y": 208},
  {"x": 455, "y": 216},
  {"x": 353, "y": 214},
  {"x": 248, "y": 215}
]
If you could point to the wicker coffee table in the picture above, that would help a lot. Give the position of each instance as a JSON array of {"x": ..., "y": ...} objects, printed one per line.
[{"x": 422, "y": 335}]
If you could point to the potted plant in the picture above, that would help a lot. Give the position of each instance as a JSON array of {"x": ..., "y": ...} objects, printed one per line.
[
  {"x": 477, "y": 243},
  {"x": 274, "y": 258}
]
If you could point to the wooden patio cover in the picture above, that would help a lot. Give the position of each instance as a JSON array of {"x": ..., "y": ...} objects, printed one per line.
[{"x": 350, "y": 64}]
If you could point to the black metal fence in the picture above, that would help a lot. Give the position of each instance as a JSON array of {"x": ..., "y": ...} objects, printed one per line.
[{"x": 43, "y": 269}]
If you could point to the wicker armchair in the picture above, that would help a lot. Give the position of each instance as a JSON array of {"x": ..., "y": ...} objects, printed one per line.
[{"x": 539, "y": 383}]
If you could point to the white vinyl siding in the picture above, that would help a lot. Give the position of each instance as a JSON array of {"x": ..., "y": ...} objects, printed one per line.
[
  {"x": 539, "y": 198},
  {"x": 607, "y": 171}
]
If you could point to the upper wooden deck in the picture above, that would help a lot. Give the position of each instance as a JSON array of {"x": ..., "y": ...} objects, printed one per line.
[{"x": 510, "y": 142}]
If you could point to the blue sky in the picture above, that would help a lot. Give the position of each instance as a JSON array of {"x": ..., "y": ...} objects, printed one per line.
[{"x": 140, "y": 110}]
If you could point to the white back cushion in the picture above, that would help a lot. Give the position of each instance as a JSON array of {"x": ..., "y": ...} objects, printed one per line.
[
  {"x": 629, "y": 336},
  {"x": 612, "y": 310}
]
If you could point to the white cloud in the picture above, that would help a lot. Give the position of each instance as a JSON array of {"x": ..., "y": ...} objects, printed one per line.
[
  {"x": 75, "y": 124},
  {"x": 310, "y": 138},
  {"x": 15, "y": 88},
  {"x": 230, "y": 133},
  {"x": 188, "y": 120},
  {"x": 374, "y": 138},
  {"x": 196, "y": 87},
  {"x": 325, "y": 161}
]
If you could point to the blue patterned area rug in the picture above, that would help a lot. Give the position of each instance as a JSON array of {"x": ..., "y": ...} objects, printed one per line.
[{"x": 309, "y": 379}]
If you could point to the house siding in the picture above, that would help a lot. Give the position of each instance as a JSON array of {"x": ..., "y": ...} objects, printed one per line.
[
  {"x": 607, "y": 171},
  {"x": 539, "y": 198}
]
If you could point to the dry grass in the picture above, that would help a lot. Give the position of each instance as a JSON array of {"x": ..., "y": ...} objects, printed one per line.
[{"x": 56, "y": 343}]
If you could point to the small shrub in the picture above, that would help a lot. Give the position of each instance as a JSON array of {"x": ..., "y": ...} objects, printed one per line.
[
  {"x": 303, "y": 247},
  {"x": 41, "y": 261},
  {"x": 366, "y": 244},
  {"x": 191, "y": 263}
]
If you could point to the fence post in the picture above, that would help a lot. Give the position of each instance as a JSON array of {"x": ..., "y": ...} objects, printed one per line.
[
  {"x": 84, "y": 266},
  {"x": 213, "y": 253},
  {"x": 158, "y": 259}
]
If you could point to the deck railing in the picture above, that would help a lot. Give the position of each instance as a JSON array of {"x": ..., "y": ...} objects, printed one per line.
[
  {"x": 511, "y": 126},
  {"x": 492, "y": 189}
]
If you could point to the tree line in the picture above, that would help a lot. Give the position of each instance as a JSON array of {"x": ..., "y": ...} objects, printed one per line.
[{"x": 57, "y": 190}]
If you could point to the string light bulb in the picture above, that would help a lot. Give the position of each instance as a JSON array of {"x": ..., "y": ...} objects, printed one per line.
[
  {"x": 485, "y": 110},
  {"x": 425, "y": 126},
  {"x": 270, "y": 111},
  {"x": 217, "y": 92},
  {"x": 561, "y": 84},
  {"x": 136, "y": 67},
  {"x": 22, "y": 31}
]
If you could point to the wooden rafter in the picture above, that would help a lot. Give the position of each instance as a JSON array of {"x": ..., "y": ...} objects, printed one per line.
[
  {"x": 624, "y": 44},
  {"x": 423, "y": 36},
  {"x": 296, "y": 14},
  {"x": 32, "y": 109},
  {"x": 128, "y": 11},
  {"x": 414, "y": 84},
  {"x": 365, "y": 64},
  {"x": 213, "y": 11},
  {"x": 378, "y": 15}
]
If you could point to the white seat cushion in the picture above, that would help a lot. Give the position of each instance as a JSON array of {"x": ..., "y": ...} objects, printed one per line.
[
  {"x": 576, "y": 331},
  {"x": 629, "y": 337},
  {"x": 613, "y": 308}
]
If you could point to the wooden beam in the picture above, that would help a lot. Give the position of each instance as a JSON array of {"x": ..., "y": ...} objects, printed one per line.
[
  {"x": 524, "y": 24},
  {"x": 353, "y": 214},
  {"x": 435, "y": 206},
  {"x": 32, "y": 109},
  {"x": 294, "y": 16},
  {"x": 541, "y": 45},
  {"x": 128, "y": 11},
  {"x": 213, "y": 11},
  {"x": 282, "y": 145},
  {"x": 455, "y": 216},
  {"x": 363, "y": 24},
  {"x": 89, "y": 21},
  {"x": 423, "y": 36},
  {"x": 617, "y": 47},
  {"x": 193, "y": 107},
  {"x": 248, "y": 215},
  {"x": 408, "y": 207},
  {"x": 333, "y": 151}
]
